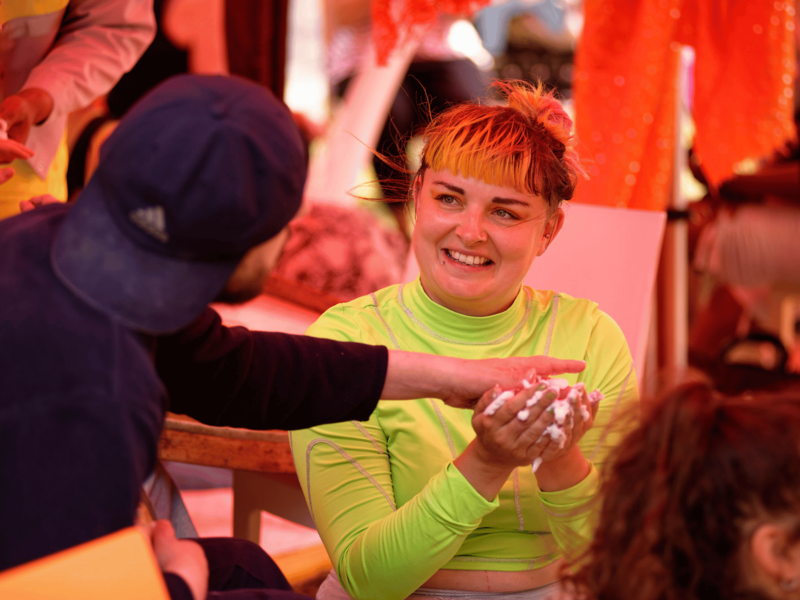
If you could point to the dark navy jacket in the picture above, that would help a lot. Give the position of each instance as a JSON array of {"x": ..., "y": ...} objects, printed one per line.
[{"x": 82, "y": 398}]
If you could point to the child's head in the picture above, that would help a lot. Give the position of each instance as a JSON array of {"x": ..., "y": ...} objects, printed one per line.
[
  {"x": 526, "y": 144},
  {"x": 702, "y": 501}
]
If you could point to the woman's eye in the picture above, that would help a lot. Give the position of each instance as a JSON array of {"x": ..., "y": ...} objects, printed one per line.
[
  {"x": 445, "y": 199},
  {"x": 504, "y": 214}
]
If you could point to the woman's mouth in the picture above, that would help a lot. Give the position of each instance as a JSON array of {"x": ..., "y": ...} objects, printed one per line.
[{"x": 466, "y": 260}]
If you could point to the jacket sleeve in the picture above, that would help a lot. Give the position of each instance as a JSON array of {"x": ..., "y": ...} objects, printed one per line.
[
  {"x": 235, "y": 377},
  {"x": 99, "y": 41},
  {"x": 572, "y": 513}
]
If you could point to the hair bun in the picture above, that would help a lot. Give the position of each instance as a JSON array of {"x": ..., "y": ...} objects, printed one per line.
[{"x": 526, "y": 143}]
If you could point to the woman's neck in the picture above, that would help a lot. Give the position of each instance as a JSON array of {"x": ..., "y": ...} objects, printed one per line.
[{"x": 472, "y": 308}]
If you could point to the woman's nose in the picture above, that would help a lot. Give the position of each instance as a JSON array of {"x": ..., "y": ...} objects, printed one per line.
[{"x": 472, "y": 229}]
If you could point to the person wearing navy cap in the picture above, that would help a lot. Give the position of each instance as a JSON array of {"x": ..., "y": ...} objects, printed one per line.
[{"x": 104, "y": 322}]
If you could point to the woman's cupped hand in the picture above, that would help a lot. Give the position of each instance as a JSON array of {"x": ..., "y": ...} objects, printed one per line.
[{"x": 534, "y": 426}]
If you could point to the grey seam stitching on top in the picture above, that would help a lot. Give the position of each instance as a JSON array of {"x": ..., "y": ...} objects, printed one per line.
[
  {"x": 517, "y": 503},
  {"x": 385, "y": 324},
  {"x": 352, "y": 461},
  {"x": 552, "y": 325},
  {"x": 367, "y": 435},
  {"x": 444, "y": 426}
]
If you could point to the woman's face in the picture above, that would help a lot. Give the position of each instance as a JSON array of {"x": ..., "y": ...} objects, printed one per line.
[{"x": 475, "y": 241}]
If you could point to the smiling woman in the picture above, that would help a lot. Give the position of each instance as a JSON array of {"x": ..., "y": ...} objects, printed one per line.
[
  {"x": 475, "y": 241},
  {"x": 424, "y": 500}
]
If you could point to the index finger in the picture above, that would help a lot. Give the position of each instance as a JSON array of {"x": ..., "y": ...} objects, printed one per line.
[
  {"x": 556, "y": 366},
  {"x": 15, "y": 149}
]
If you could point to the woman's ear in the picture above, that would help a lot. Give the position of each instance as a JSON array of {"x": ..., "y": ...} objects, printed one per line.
[
  {"x": 554, "y": 224},
  {"x": 416, "y": 186},
  {"x": 776, "y": 556}
]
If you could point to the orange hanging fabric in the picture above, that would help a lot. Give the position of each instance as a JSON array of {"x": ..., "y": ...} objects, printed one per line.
[
  {"x": 393, "y": 19},
  {"x": 626, "y": 64},
  {"x": 744, "y": 73},
  {"x": 626, "y": 71}
]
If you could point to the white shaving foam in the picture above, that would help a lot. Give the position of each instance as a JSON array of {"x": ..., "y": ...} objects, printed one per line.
[
  {"x": 538, "y": 395},
  {"x": 556, "y": 435},
  {"x": 561, "y": 410},
  {"x": 596, "y": 396},
  {"x": 495, "y": 405},
  {"x": 573, "y": 396}
]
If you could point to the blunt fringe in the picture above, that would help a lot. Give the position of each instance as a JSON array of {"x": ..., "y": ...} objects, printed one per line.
[{"x": 527, "y": 144}]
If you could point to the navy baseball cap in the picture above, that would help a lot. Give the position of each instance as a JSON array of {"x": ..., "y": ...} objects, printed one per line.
[{"x": 199, "y": 171}]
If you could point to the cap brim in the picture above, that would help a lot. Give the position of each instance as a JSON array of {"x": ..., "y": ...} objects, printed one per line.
[{"x": 149, "y": 292}]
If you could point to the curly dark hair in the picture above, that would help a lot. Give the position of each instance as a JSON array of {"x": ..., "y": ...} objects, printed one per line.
[{"x": 682, "y": 491}]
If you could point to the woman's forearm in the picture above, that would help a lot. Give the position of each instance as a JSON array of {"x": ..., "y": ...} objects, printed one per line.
[{"x": 487, "y": 479}]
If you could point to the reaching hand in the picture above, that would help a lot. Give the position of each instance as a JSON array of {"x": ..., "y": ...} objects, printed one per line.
[
  {"x": 22, "y": 110},
  {"x": 460, "y": 383},
  {"x": 35, "y": 202},
  {"x": 473, "y": 377},
  {"x": 11, "y": 150},
  {"x": 181, "y": 557}
]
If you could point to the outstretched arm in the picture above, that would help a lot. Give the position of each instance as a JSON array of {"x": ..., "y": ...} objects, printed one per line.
[
  {"x": 183, "y": 562},
  {"x": 460, "y": 382},
  {"x": 261, "y": 380},
  {"x": 113, "y": 34}
]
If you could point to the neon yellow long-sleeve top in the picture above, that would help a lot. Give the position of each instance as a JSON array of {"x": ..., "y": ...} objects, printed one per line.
[{"x": 390, "y": 506}]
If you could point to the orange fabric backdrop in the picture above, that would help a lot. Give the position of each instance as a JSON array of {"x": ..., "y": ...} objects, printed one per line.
[
  {"x": 625, "y": 78},
  {"x": 392, "y": 19}
]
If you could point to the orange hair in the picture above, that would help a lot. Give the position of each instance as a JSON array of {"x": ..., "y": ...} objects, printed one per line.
[{"x": 527, "y": 144}]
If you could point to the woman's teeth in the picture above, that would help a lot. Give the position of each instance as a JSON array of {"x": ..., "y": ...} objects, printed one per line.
[{"x": 472, "y": 261}]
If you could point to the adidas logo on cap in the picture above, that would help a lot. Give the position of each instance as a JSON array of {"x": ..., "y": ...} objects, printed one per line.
[{"x": 152, "y": 221}]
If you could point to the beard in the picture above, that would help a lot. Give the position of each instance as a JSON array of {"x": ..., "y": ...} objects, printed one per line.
[{"x": 244, "y": 287}]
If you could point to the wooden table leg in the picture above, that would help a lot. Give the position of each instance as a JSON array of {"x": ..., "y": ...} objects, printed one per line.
[{"x": 277, "y": 493}]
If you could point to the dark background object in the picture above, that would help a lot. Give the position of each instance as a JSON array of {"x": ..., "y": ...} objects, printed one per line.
[{"x": 256, "y": 38}]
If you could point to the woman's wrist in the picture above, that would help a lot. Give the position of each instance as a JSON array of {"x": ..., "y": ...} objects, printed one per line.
[
  {"x": 564, "y": 472},
  {"x": 485, "y": 476}
]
